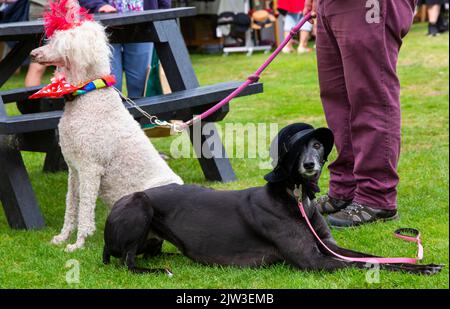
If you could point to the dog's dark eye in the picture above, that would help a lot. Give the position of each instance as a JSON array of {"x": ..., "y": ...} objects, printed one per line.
[{"x": 317, "y": 145}]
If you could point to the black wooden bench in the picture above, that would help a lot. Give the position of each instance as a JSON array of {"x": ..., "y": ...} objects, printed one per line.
[{"x": 37, "y": 131}]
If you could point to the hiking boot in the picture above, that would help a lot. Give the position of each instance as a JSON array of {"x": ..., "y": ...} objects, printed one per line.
[
  {"x": 356, "y": 214},
  {"x": 330, "y": 205}
]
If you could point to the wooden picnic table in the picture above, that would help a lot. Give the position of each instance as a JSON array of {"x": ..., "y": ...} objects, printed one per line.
[{"x": 38, "y": 131}]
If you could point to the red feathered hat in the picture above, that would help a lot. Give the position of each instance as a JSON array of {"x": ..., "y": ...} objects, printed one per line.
[{"x": 63, "y": 15}]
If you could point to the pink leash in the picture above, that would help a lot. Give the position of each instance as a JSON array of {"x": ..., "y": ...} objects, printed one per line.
[
  {"x": 400, "y": 233},
  {"x": 252, "y": 78}
]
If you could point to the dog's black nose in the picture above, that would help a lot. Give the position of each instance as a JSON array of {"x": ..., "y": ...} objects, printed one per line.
[{"x": 308, "y": 165}]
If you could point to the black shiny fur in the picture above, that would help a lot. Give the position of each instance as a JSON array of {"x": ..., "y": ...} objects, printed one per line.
[{"x": 248, "y": 228}]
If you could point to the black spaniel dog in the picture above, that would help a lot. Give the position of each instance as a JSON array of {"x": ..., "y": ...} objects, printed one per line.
[{"x": 248, "y": 228}]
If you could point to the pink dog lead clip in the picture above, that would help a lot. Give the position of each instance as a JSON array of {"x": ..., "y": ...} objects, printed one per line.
[{"x": 400, "y": 233}]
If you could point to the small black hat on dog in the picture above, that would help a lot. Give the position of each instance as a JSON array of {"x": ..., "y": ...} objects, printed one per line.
[{"x": 285, "y": 148}]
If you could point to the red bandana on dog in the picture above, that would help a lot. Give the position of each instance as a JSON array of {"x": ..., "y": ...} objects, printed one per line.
[{"x": 59, "y": 88}]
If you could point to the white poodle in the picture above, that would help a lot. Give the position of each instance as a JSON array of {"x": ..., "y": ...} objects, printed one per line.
[{"x": 107, "y": 152}]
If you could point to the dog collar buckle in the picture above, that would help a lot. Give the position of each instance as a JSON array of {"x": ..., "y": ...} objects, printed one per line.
[{"x": 298, "y": 192}]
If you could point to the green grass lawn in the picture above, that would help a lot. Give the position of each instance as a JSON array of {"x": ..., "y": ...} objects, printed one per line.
[{"x": 27, "y": 260}]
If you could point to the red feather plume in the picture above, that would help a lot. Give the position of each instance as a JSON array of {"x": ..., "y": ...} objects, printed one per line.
[{"x": 63, "y": 15}]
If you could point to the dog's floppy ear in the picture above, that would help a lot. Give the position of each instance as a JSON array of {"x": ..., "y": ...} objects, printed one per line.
[
  {"x": 131, "y": 199},
  {"x": 129, "y": 219},
  {"x": 133, "y": 207}
]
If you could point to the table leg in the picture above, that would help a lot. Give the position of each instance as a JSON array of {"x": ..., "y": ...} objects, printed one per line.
[
  {"x": 177, "y": 65},
  {"x": 14, "y": 59},
  {"x": 174, "y": 56},
  {"x": 54, "y": 160},
  {"x": 214, "y": 162},
  {"x": 16, "y": 194}
]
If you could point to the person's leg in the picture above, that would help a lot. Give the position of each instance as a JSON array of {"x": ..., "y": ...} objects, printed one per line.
[
  {"x": 35, "y": 70},
  {"x": 442, "y": 23},
  {"x": 305, "y": 35},
  {"x": 136, "y": 60},
  {"x": 34, "y": 74},
  {"x": 116, "y": 64},
  {"x": 289, "y": 23},
  {"x": 369, "y": 42},
  {"x": 434, "y": 11},
  {"x": 333, "y": 92},
  {"x": 304, "y": 38}
]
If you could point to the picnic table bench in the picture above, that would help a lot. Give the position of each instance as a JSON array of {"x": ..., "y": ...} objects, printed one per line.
[{"x": 37, "y": 132}]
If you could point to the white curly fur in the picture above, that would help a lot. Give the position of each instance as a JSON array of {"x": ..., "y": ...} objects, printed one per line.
[{"x": 107, "y": 152}]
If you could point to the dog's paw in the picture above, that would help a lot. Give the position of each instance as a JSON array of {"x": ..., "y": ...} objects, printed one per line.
[
  {"x": 58, "y": 239},
  {"x": 431, "y": 269},
  {"x": 90, "y": 231},
  {"x": 73, "y": 247},
  {"x": 427, "y": 270}
]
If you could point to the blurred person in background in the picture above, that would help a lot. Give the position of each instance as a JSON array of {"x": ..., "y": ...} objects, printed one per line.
[
  {"x": 35, "y": 71},
  {"x": 293, "y": 13},
  {"x": 133, "y": 58},
  {"x": 436, "y": 23},
  {"x": 12, "y": 11}
]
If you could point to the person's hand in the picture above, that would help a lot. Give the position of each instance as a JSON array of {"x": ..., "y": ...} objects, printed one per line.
[
  {"x": 310, "y": 6},
  {"x": 107, "y": 9}
]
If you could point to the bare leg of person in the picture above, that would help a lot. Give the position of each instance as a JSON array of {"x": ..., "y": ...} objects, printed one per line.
[
  {"x": 433, "y": 16},
  {"x": 304, "y": 39},
  {"x": 288, "y": 48},
  {"x": 34, "y": 75}
]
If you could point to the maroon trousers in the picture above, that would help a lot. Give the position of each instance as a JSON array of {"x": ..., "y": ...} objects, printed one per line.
[{"x": 357, "y": 50}]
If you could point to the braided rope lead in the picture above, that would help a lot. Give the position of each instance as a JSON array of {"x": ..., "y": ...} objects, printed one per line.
[
  {"x": 254, "y": 78},
  {"x": 251, "y": 79}
]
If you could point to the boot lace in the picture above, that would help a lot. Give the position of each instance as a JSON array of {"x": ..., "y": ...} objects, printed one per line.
[{"x": 353, "y": 208}]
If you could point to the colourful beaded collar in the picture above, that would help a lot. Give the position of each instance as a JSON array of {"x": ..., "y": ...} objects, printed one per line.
[{"x": 59, "y": 88}]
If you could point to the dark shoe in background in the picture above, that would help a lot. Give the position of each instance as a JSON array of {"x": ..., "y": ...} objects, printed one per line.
[
  {"x": 329, "y": 205},
  {"x": 442, "y": 24},
  {"x": 433, "y": 30},
  {"x": 356, "y": 214}
]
